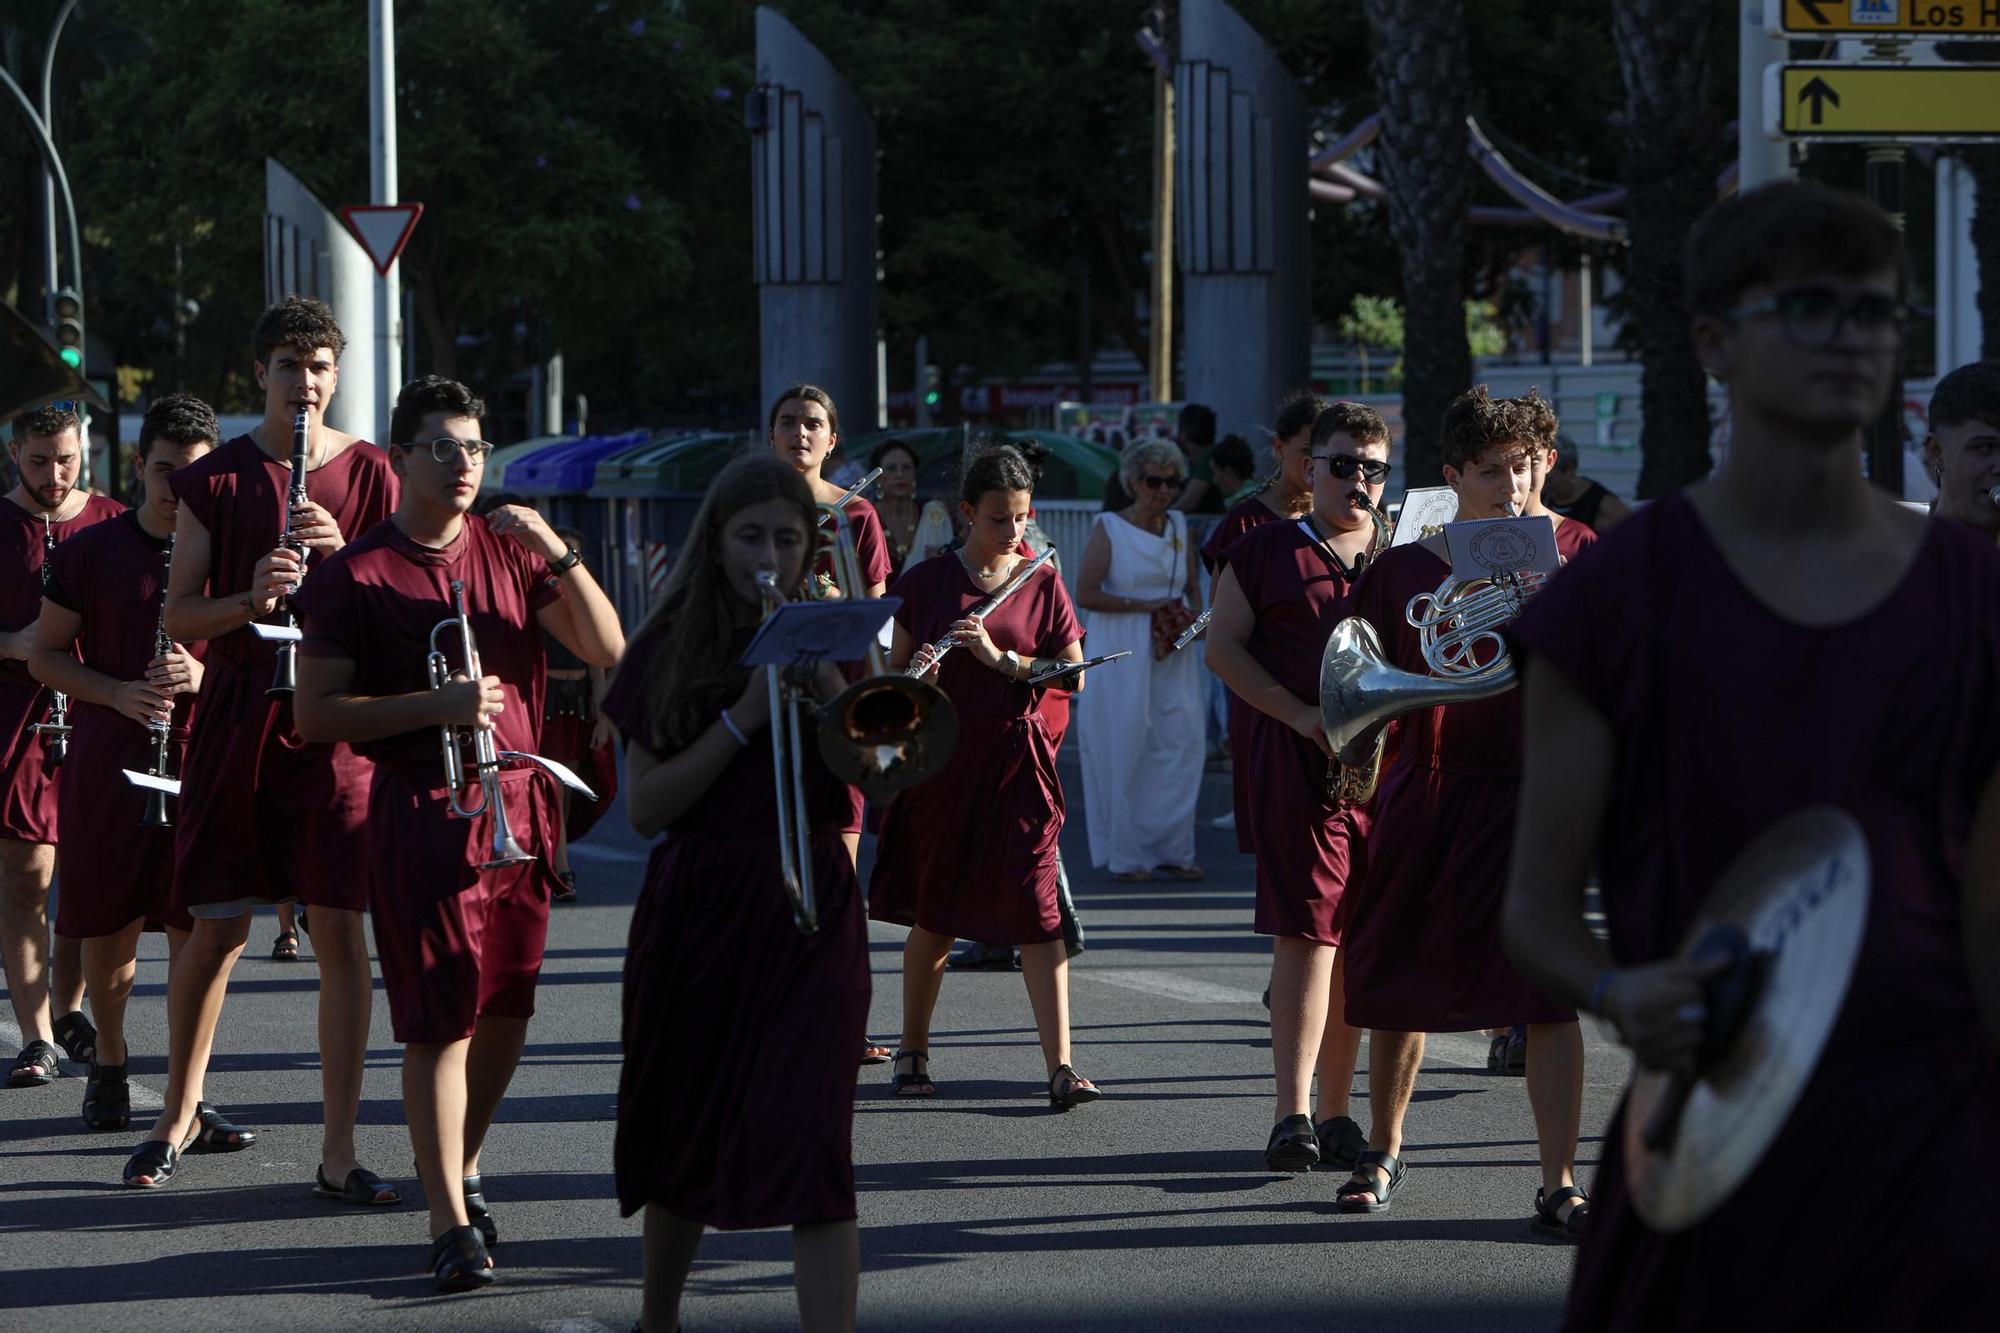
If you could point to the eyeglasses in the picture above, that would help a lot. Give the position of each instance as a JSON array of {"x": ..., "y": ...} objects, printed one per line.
[
  {"x": 1344, "y": 466},
  {"x": 446, "y": 448},
  {"x": 1812, "y": 317},
  {"x": 1160, "y": 483}
]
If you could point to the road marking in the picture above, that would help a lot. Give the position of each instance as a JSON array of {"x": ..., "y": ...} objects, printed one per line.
[
  {"x": 614, "y": 854},
  {"x": 1168, "y": 985},
  {"x": 572, "y": 1326},
  {"x": 143, "y": 1097}
]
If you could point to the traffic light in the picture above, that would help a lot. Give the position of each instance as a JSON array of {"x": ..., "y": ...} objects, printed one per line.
[
  {"x": 933, "y": 387},
  {"x": 69, "y": 328}
]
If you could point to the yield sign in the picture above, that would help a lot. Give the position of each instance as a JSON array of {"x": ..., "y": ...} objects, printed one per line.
[{"x": 382, "y": 229}]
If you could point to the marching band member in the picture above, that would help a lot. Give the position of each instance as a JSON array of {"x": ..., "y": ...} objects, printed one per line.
[
  {"x": 1962, "y": 450},
  {"x": 133, "y": 698},
  {"x": 1423, "y": 928},
  {"x": 736, "y": 1098},
  {"x": 44, "y": 509},
  {"x": 460, "y": 939},
  {"x": 804, "y": 428},
  {"x": 1283, "y": 589},
  {"x": 265, "y": 816},
  {"x": 1872, "y": 639},
  {"x": 972, "y": 851}
]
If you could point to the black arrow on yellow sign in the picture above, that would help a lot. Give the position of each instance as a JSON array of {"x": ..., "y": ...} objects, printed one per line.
[
  {"x": 1812, "y": 7},
  {"x": 1819, "y": 94}
]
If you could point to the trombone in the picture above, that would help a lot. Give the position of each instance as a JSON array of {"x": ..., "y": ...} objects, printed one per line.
[{"x": 502, "y": 850}]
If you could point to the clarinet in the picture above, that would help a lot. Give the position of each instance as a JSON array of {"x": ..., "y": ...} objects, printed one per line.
[
  {"x": 286, "y": 677},
  {"x": 161, "y": 728},
  {"x": 54, "y": 730}
]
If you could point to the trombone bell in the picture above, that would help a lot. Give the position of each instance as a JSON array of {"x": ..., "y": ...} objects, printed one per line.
[{"x": 886, "y": 733}]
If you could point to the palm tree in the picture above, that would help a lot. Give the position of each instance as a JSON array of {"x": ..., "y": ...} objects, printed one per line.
[{"x": 1417, "y": 57}]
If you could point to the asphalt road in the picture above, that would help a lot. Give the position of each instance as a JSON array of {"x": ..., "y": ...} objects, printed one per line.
[{"x": 982, "y": 1210}]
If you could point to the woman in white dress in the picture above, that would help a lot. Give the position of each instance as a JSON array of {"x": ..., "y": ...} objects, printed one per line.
[{"x": 1141, "y": 734}]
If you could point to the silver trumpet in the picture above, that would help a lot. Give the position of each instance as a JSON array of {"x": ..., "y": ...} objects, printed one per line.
[
  {"x": 486, "y": 758},
  {"x": 933, "y": 653}
]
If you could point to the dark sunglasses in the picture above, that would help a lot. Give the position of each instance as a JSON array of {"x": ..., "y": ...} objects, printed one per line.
[
  {"x": 1159, "y": 483},
  {"x": 1345, "y": 466}
]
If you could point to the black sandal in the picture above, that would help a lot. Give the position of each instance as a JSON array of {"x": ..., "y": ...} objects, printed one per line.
[
  {"x": 77, "y": 1036},
  {"x": 362, "y": 1188},
  {"x": 34, "y": 1066},
  {"x": 1075, "y": 1089},
  {"x": 565, "y": 891},
  {"x": 1341, "y": 1143},
  {"x": 459, "y": 1261},
  {"x": 285, "y": 949},
  {"x": 155, "y": 1162},
  {"x": 1549, "y": 1221},
  {"x": 475, "y": 1209},
  {"x": 913, "y": 1084},
  {"x": 1293, "y": 1146},
  {"x": 1360, "y": 1193},
  {"x": 107, "y": 1098},
  {"x": 213, "y": 1133}
]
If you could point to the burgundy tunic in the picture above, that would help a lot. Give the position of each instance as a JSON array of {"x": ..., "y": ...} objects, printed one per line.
[
  {"x": 1423, "y": 929},
  {"x": 456, "y": 942},
  {"x": 1308, "y": 849},
  {"x": 1891, "y": 717},
  {"x": 264, "y": 815},
  {"x": 1240, "y": 521},
  {"x": 871, "y": 544},
  {"x": 115, "y": 870},
  {"x": 27, "y": 786},
  {"x": 736, "y": 1098},
  {"x": 971, "y": 852}
]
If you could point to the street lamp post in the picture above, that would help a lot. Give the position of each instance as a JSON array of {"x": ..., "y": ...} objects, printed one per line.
[{"x": 48, "y": 179}]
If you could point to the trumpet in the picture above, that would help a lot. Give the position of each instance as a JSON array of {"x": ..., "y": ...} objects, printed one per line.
[
  {"x": 160, "y": 728},
  {"x": 933, "y": 653},
  {"x": 54, "y": 729},
  {"x": 285, "y": 675},
  {"x": 502, "y": 850}
]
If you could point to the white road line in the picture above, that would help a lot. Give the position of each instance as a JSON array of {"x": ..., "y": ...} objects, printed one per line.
[
  {"x": 615, "y": 854},
  {"x": 143, "y": 1097},
  {"x": 1167, "y": 985},
  {"x": 571, "y": 1326}
]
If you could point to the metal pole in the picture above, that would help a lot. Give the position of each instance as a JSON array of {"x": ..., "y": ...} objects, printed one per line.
[
  {"x": 1885, "y": 440},
  {"x": 50, "y": 279},
  {"x": 382, "y": 185},
  {"x": 1759, "y": 160},
  {"x": 1585, "y": 315},
  {"x": 1160, "y": 301},
  {"x": 53, "y": 161}
]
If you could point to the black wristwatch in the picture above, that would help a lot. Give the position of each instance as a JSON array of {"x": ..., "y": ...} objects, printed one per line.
[{"x": 565, "y": 562}]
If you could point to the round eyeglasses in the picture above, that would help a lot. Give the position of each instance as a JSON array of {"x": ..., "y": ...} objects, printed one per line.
[{"x": 445, "y": 448}]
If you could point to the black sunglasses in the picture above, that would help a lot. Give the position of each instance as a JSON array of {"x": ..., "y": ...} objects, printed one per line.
[
  {"x": 1157, "y": 483},
  {"x": 1344, "y": 466}
]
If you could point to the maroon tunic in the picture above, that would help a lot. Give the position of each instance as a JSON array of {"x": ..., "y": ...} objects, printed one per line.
[
  {"x": 736, "y": 1099},
  {"x": 1891, "y": 717},
  {"x": 263, "y": 815},
  {"x": 972, "y": 851},
  {"x": 1423, "y": 929},
  {"x": 115, "y": 870},
  {"x": 1240, "y": 521},
  {"x": 457, "y": 943},
  {"x": 1308, "y": 849},
  {"x": 27, "y": 785},
  {"x": 871, "y": 544}
]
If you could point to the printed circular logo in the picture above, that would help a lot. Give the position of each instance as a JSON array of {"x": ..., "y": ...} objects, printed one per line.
[{"x": 1503, "y": 549}]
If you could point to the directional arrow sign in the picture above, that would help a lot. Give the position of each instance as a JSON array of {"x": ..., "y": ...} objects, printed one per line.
[
  {"x": 1914, "y": 18},
  {"x": 382, "y": 229},
  {"x": 1883, "y": 103}
]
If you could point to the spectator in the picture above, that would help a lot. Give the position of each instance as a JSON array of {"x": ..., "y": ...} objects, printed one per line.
[
  {"x": 1234, "y": 468},
  {"x": 1196, "y": 437},
  {"x": 896, "y": 498},
  {"x": 1142, "y": 735},
  {"x": 1585, "y": 501}
]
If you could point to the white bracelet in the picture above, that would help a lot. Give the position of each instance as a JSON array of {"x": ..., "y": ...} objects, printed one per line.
[{"x": 729, "y": 725}]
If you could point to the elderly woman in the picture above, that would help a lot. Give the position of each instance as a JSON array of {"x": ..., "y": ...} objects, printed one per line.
[{"x": 1142, "y": 734}]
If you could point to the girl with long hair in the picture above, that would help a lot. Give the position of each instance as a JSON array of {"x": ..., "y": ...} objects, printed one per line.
[{"x": 736, "y": 1099}]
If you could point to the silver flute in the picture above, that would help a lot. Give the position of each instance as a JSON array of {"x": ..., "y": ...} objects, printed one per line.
[{"x": 979, "y": 610}]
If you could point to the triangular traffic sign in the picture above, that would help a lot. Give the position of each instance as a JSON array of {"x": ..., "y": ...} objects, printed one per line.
[{"x": 382, "y": 229}]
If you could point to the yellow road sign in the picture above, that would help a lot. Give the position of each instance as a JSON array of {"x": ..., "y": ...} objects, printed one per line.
[
  {"x": 1916, "y": 18},
  {"x": 1883, "y": 103}
]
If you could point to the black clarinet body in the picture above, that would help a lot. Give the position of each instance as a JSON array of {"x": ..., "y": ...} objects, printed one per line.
[
  {"x": 54, "y": 729},
  {"x": 161, "y": 728},
  {"x": 285, "y": 678}
]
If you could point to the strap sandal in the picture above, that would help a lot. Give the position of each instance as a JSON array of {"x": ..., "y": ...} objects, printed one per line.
[
  {"x": 77, "y": 1036},
  {"x": 155, "y": 1163},
  {"x": 475, "y": 1208},
  {"x": 1508, "y": 1053},
  {"x": 1341, "y": 1143},
  {"x": 871, "y": 1054},
  {"x": 1186, "y": 872},
  {"x": 1549, "y": 1220},
  {"x": 214, "y": 1133},
  {"x": 565, "y": 890},
  {"x": 914, "y": 1083},
  {"x": 285, "y": 949},
  {"x": 34, "y": 1066},
  {"x": 107, "y": 1098},
  {"x": 1293, "y": 1146},
  {"x": 1068, "y": 1088},
  {"x": 1364, "y": 1192},
  {"x": 363, "y": 1189},
  {"x": 459, "y": 1261}
]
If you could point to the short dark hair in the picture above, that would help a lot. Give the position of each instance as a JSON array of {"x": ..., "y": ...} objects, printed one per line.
[
  {"x": 1783, "y": 230},
  {"x": 1476, "y": 421},
  {"x": 421, "y": 397},
  {"x": 1000, "y": 468},
  {"x": 1233, "y": 452},
  {"x": 1358, "y": 421},
  {"x": 297, "y": 321},
  {"x": 48, "y": 422},
  {"x": 1299, "y": 410},
  {"x": 1197, "y": 425},
  {"x": 178, "y": 418},
  {"x": 809, "y": 393},
  {"x": 884, "y": 449},
  {"x": 1970, "y": 393}
]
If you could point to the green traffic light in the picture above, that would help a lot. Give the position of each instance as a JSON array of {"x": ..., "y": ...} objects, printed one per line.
[
  {"x": 931, "y": 398},
  {"x": 73, "y": 358}
]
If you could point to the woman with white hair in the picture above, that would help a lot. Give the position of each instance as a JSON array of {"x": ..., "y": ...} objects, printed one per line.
[{"x": 1141, "y": 736}]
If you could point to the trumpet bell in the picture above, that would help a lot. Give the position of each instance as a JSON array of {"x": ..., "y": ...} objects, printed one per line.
[
  {"x": 1360, "y": 691},
  {"x": 886, "y": 733}
]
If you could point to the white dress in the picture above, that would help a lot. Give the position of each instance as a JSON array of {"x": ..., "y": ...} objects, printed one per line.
[{"x": 1139, "y": 721}]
